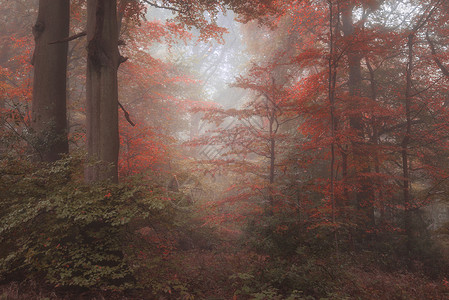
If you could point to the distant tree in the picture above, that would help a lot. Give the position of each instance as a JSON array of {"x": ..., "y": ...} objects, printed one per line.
[
  {"x": 15, "y": 70},
  {"x": 253, "y": 140}
]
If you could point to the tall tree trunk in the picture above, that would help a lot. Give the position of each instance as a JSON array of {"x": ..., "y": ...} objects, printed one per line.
[
  {"x": 354, "y": 76},
  {"x": 359, "y": 157},
  {"x": 332, "y": 69},
  {"x": 272, "y": 146},
  {"x": 102, "y": 91},
  {"x": 377, "y": 192},
  {"x": 49, "y": 119},
  {"x": 406, "y": 141},
  {"x": 354, "y": 62}
]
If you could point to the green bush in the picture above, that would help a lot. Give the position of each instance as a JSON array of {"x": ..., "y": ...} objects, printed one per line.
[{"x": 56, "y": 228}]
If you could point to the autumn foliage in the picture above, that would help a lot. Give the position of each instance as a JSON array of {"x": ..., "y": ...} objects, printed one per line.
[{"x": 313, "y": 164}]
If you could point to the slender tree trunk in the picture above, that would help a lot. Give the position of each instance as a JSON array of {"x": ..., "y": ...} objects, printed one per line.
[
  {"x": 406, "y": 141},
  {"x": 272, "y": 161},
  {"x": 355, "y": 74},
  {"x": 354, "y": 83},
  {"x": 49, "y": 119},
  {"x": 332, "y": 69},
  {"x": 272, "y": 149},
  {"x": 344, "y": 173},
  {"x": 359, "y": 156},
  {"x": 272, "y": 131},
  {"x": 102, "y": 91},
  {"x": 272, "y": 158},
  {"x": 354, "y": 61},
  {"x": 377, "y": 193},
  {"x": 354, "y": 64}
]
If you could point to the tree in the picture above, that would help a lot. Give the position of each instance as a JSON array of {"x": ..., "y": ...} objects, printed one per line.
[
  {"x": 49, "y": 118},
  {"x": 253, "y": 141},
  {"x": 103, "y": 60},
  {"x": 15, "y": 76},
  {"x": 154, "y": 90}
]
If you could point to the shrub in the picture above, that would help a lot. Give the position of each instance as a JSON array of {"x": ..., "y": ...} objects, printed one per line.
[{"x": 56, "y": 228}]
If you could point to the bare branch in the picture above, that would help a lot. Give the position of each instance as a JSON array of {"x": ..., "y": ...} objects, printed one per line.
[
  {"x": 288, "y": 120},
  {"x": 126, "y": 115},
  {"x": 398, "y": 126},
  {"x": 70, "y": 38},
  {"x": 122, "y": 59},
  {"x": 161, "y": 6},
  {"x": 435, "y": 58}
]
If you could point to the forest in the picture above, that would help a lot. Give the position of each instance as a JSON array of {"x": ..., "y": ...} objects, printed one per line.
[{"x": 224, "y": 149}]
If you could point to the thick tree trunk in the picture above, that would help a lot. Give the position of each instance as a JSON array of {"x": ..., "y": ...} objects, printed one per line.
[
  {"x": 102, "y": 91},
  {"x": 49, "y": 120}
]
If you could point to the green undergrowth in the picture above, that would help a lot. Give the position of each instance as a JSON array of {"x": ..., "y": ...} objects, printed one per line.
[
  {"x": 63, "y": 239},
  {"x": 57, "y": 230}
]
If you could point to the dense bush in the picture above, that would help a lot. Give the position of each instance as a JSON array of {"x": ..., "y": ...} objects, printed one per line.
[
  {"x": 56, "y": 228},
  {"x": 57, "y": 231}
]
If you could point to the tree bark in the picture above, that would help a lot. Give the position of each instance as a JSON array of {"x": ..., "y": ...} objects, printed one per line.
[
  {"x": 272, "y": 146},
  {"x": 49, "y": 119},
  {"x": 377, "y": 193},
  {"x": 102, "y": 91},
  {"x": 272, "y": 130},
  {"x": 406, "y": 141},
  {"x": 354, "y": 62},
  {"x": 332, "y": 69},
  {"x": 359, "y": 155}
]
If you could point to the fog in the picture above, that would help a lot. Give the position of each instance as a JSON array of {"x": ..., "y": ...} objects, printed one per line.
[{"x": 224, "y": 149}]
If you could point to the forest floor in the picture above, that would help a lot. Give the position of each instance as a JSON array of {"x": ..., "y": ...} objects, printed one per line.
[{"x": 224, "y": 272}]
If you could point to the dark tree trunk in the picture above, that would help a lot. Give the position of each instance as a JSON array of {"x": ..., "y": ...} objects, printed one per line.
[
  {"x": 377, "y": 193},
  {"x": 355, "y": 75},
  {"x": 49, "y": 119},
  {"x": 102, "y": 91},
  {"x": 406, "y": 141},
  {"x": 332, "y": 69},
  {"x": 272, "y": 146},
  {"x": 359, "y": 156},
  {"x": 271, "y": 141},
  {"x": 354, "y": 63}
]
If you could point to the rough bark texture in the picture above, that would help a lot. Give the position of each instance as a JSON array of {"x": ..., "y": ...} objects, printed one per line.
[
  {"x": 102, "y": 91},
  {"x": 49, "y": 120}
]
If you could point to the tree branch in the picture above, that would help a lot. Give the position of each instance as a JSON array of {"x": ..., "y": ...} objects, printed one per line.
[
  {"x": 161, "y": 6},
  {"x": 435, "y": 58},
  {"x": 70, "y": 38},
  {"x": 398, "y": 126},
  {"x": 126, "y": 115},
  {"x": 122, "y": 59}
]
